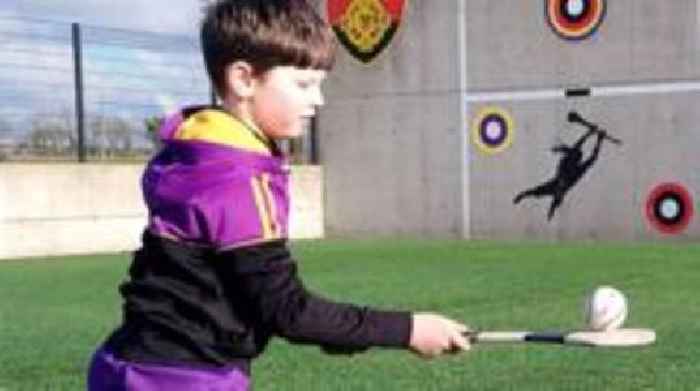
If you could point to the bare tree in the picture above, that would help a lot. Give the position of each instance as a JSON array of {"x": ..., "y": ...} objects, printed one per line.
[
  {"x": 110, "y": 135},
  {"x": 6, "y": 143},
  {"x": 52, "y": 135}
]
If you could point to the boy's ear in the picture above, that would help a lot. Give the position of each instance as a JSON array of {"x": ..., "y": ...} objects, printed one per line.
[{"x": 240, "y": 79}]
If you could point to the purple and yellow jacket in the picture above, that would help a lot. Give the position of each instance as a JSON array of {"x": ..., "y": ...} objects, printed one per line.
[{"x": 214, "y": 279}]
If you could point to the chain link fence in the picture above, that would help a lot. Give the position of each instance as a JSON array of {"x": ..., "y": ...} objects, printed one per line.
[{"x": 77, "y": 92}]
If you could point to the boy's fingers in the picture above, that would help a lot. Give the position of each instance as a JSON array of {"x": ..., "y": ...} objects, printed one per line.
[
  {"x": 460, "y": 327},
  {"x": 460, "y": 342}
]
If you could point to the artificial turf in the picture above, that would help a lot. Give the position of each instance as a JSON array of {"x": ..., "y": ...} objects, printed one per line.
[{"x": 55, "y": 311}]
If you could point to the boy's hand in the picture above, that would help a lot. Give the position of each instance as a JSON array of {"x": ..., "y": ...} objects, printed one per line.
[{"x": 433, "y": 335}]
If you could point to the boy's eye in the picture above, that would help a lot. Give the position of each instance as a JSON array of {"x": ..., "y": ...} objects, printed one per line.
[{"x": 304, "y": 84}]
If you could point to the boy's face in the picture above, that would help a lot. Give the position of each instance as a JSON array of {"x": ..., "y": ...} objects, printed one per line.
[{"x": 285, "y": 98}]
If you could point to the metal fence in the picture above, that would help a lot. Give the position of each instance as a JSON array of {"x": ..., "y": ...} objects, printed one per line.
[{"x": 78, "y": 92}]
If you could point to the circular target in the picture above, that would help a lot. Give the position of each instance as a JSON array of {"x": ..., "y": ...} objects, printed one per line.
[
  {"x": 575, "y": 19},
  {"x": 492, "y": 130},
  {"x": 669, "y": 208}
]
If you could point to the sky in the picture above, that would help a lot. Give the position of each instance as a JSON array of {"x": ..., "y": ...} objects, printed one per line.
[{"x": 164, "y": 16}]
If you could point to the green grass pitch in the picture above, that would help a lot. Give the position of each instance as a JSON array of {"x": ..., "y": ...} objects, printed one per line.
[{"x": 53, "y": 312}]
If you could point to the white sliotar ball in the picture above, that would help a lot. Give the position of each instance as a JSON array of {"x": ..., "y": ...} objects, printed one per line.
[{"x": 605, "y": 309}]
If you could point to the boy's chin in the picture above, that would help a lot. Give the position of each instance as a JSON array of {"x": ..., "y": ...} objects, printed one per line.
[{"x": 287, "y": 134}]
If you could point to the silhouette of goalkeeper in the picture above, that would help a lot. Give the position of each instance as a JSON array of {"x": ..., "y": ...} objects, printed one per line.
[{"x": 571, "y": 166}]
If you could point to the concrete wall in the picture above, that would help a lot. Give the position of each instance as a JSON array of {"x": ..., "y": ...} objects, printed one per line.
[
  {"x": 390, "y": 131},
  {"x": 395, "y": 133},
  {"x": 306, "y": 212},
  {"x": 58, "y": 209}
]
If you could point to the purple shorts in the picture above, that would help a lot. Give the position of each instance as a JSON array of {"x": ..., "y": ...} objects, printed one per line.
[{"x": 108, "y": 373}]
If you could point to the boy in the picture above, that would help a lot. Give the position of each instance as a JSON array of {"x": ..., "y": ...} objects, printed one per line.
[{"x": 214, "y": 280}]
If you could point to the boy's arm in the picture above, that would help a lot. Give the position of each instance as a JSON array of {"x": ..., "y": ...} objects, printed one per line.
[{"x": 264, "y": 277}]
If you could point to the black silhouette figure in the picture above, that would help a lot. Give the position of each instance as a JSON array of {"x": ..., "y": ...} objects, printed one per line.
[{"x": 571, "y": 166}]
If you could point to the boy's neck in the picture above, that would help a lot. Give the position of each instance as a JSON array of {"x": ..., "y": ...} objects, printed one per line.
[{"x": 237, "y": 110}]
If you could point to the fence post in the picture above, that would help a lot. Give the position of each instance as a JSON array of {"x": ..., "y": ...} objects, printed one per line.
[
  {"x": 79, "y": 102},
  {"x": 212, "y": 96},
  {"x": 313, "y": 137}
]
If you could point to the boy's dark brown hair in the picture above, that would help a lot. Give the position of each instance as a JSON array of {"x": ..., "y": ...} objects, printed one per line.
[{"x": 265, "y": 34}]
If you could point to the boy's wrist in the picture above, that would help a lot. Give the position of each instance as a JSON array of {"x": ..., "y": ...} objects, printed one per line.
[{"x": 393, "y": 328}]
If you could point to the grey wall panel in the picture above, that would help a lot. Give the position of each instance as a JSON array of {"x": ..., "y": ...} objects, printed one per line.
[
  {"x": 513, "y": 47},
  {"x": 660, "y": 135},
  {"x": 391, "y": 132},
  {"x": 395, "y": 167}
]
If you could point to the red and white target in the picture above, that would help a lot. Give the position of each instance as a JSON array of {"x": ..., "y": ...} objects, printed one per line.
[
  {"x": 669, "y": 208},
  {"x": 575, "y": 19}
]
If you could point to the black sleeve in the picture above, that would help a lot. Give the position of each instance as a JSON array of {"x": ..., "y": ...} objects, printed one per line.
[{"x": 266, "y": 277}]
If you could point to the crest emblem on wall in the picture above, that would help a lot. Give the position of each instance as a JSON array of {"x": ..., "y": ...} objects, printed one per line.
[{"x": 365, "y": 27}]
